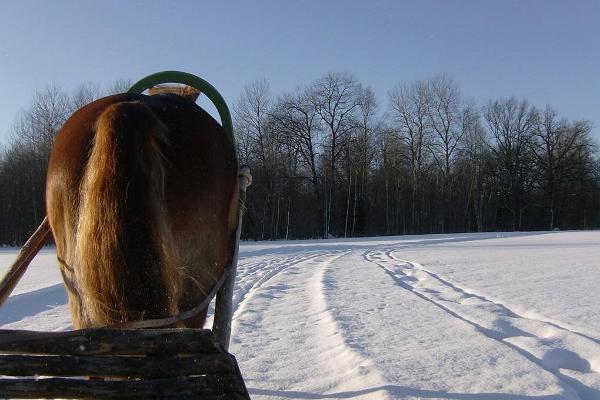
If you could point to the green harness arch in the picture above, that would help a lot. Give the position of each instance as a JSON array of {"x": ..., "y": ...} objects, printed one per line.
[{"x": 196, "y": 82}]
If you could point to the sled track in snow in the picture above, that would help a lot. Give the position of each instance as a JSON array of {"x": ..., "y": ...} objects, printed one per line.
[
  {"x": 342, "y": 359},
  {"x": 252, "y": 276},
  {"x": 293, "y": 302},
  {"x": 573, "y": 357}
]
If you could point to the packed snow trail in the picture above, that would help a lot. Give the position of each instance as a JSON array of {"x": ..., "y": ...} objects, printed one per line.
[
  {"x": 573, "y": 357},
  {"x": 552, "y": 276},
  {"x": 330, "y": 326},
  {"x": 302, "y": 351}
]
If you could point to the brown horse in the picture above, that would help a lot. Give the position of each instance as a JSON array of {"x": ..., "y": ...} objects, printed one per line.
[{"x": 142, "y": 198}]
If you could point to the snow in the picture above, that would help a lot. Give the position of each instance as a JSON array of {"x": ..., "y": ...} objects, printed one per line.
[{"x": 463, "y": 316}]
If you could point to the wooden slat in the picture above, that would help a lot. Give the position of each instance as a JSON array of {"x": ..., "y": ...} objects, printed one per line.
[
  {"x": 110, "y": 341},
  {"x": 203, "y": 387},
  {"x": 117, "y": 366}
]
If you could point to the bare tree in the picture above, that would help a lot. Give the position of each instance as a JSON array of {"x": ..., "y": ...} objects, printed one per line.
[
  {"x": 444, "y": 117},
  {"x": 26, "y": 159},
  {"x": 360, "y": 156},
  {"x": 82, "y": 95},
  {"x": 48, "y": 111},
  {"x": 251, "y": 113},
  {"x": 512, "y": 125},
  {"x": 251, "y": 118},
  {"x": 561, "y": 150},
  {"x": 119, "y": 86},
  {"x": 297, "y": 123},
  {"x": 335, "y": 98},
  {"x": 410, "y": 111},
  {"x": 473, "y": 152}
]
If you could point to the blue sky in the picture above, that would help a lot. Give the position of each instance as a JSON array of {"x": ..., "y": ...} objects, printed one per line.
[{"x": 545, "y": 51}]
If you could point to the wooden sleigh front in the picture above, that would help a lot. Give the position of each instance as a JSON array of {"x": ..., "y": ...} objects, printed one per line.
[
  {"x": 129, "y": 363},
  {"x": 124, "y": 364}
]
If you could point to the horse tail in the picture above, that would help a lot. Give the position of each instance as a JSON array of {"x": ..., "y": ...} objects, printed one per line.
[{"x": 124, "y": 240}]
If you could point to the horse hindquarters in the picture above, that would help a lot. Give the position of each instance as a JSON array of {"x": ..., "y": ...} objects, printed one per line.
[{"x": 125, "y": 252}]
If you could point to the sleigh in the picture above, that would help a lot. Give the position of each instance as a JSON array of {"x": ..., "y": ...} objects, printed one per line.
[{"x": 142, "y": 359}]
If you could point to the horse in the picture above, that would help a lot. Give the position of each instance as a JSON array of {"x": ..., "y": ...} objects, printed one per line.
[{"x": 142, "y": 199}]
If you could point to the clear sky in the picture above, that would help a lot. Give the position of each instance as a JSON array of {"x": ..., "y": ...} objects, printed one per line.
[{"x": 545, "y": 51}]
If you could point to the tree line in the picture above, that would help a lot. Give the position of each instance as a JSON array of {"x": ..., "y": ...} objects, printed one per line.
[{"x": 328, "y": 160}]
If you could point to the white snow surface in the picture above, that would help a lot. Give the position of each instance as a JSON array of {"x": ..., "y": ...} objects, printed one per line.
[{"x": 463, "y": 316}]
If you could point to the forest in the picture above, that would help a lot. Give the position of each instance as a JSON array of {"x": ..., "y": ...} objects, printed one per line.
[{"x": 334, "y": 159}]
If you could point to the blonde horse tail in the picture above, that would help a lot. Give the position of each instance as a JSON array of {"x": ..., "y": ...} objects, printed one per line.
[{"x": 126, "y": 268}]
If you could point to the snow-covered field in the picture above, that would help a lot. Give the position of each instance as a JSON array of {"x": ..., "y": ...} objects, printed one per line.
[{"x": 464, "y": 316}]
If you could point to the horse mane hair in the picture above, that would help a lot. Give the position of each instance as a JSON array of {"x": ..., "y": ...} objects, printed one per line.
[{"x": 188, "y": 92}]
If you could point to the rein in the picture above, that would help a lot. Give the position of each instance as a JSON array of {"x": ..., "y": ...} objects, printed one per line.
[{"x": 164, "y": 322}]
